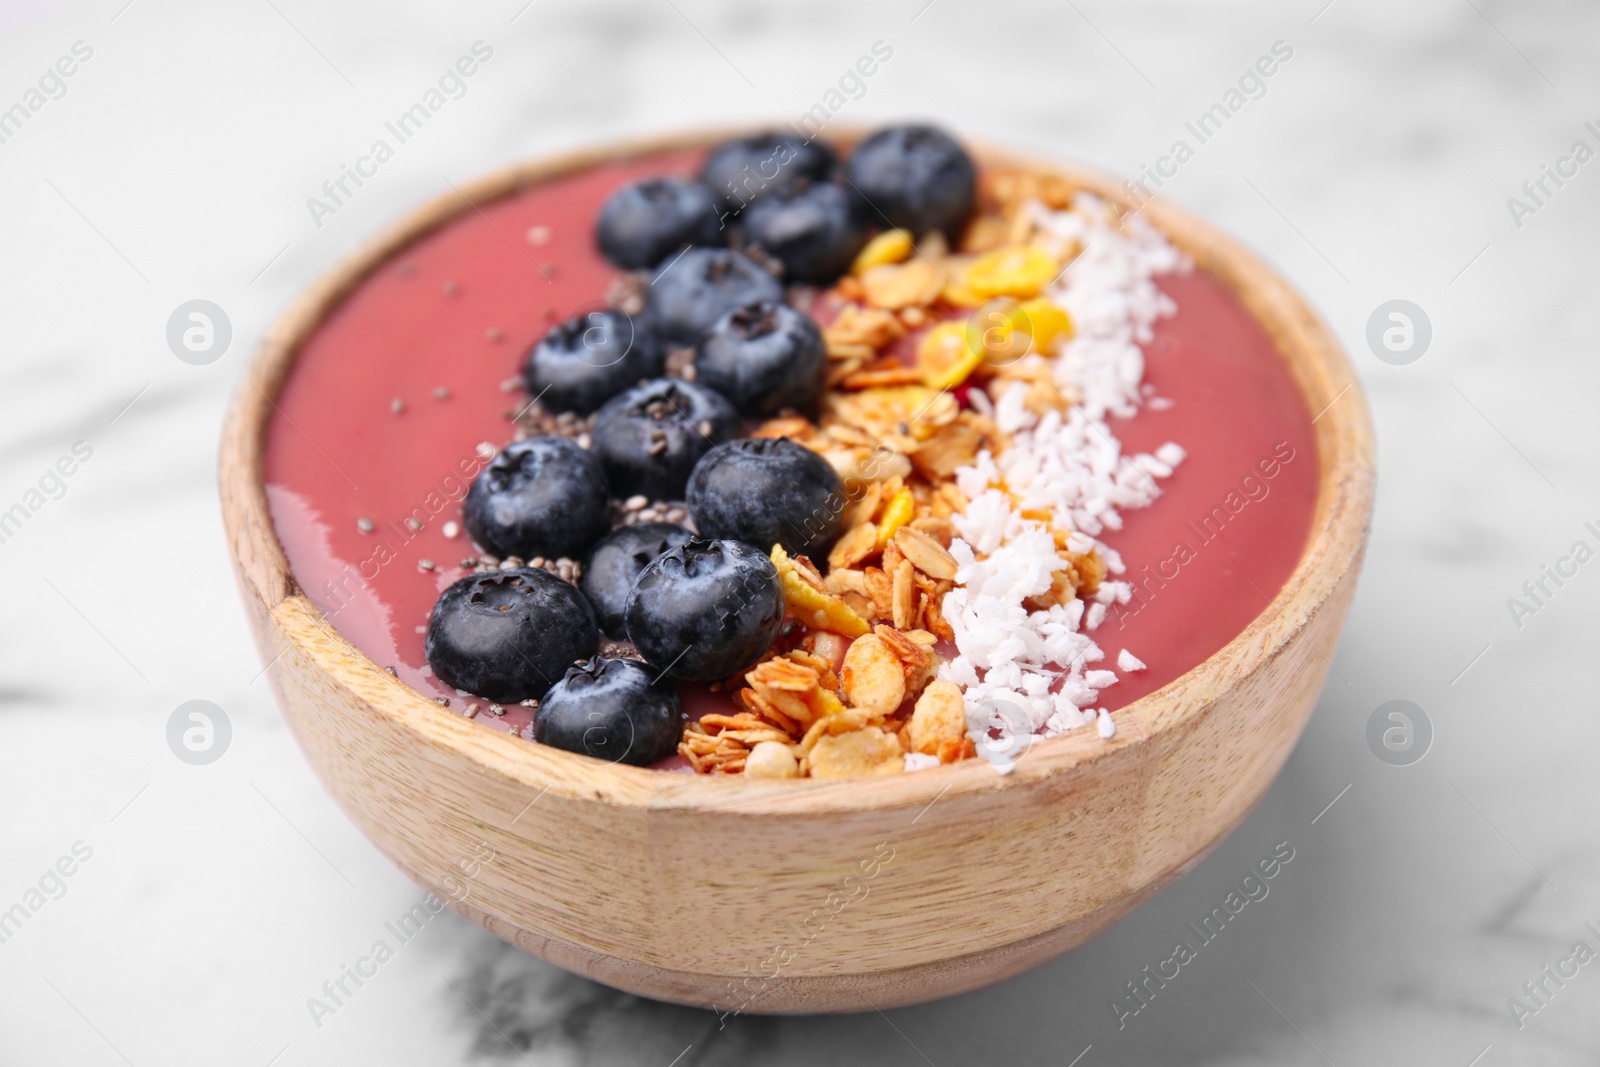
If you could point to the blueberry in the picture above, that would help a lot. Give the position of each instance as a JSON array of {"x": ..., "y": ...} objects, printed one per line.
[
  {"x": 650, "y": 437},
  {"x": 545, "y": 496},
  {"x": 706, "y": 609},
  {"x": 646, "y": 221},
  {"x": 611, "y": 710},
  {"x": 741, "y": 170},
  {"x": 767, "y": 492},
  {"x": 696, "y": 289},
  {"x": 916, "y": 176},
  {"x": 763, "y": 357},
  {"x": 609, "y": 573},
  {"x": 585, "y": 361},
  {"x": 508, "y": 635},
  {"x": 814, "y": 232}
]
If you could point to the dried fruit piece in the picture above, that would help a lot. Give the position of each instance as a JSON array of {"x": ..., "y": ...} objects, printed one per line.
[
  {"x": 929, "y": 556},
  {"x": 824, "y": 703},
  {"x": 946, "y": 356},
  {"x": 958, "y": 295},
  {"x": 1016, "y": 272},
  {"x": 873, "y": 678},
  {"x": 857, "y": 754},
  {"x": 771, "y": 759},
  {"x": 939, "y": 717},
  {"x": 902, "y": 507},
  {"x": 1047, "y": 321},
  {"x": 890, "y": 246},
  {"x": 809, "y": 601}
]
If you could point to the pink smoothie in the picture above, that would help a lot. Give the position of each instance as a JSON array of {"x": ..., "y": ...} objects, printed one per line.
[{"x": 440, "y": 327}]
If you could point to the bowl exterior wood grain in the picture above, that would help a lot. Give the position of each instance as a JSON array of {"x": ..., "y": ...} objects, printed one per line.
[{"x": 794, "y": 896}]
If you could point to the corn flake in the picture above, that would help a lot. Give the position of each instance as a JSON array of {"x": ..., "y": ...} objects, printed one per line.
[{"x": 857, "y": 754}]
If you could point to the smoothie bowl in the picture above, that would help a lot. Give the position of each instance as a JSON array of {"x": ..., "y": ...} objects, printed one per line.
[{"x": 776, "y": 575}]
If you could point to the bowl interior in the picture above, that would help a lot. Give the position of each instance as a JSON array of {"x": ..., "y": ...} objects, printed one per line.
[{"x": 1339, "y": 520}]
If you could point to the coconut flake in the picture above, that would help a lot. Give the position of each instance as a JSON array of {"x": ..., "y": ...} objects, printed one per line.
[{"x": 1070, "y": 467}]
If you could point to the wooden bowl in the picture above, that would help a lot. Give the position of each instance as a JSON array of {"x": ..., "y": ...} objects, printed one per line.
[{"x": 792, "y": 896}]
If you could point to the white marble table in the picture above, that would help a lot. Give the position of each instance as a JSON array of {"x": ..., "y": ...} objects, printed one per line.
[{"x": 175, "y": 163}]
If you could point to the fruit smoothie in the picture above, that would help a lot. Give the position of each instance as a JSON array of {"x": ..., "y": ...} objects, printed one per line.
[{"x": 495, "y": 400}]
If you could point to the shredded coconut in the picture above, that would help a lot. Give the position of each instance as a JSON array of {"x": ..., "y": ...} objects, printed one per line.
[
  {"x": 1128, "y": 662},
  {"x": 1025, "y": 671}
]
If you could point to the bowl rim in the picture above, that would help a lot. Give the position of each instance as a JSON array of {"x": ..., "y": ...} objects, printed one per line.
[{"x": 1341, "y": 517}]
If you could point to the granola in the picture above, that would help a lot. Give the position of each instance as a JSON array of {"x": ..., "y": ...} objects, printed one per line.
[{"x": 906, "y": 331}]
